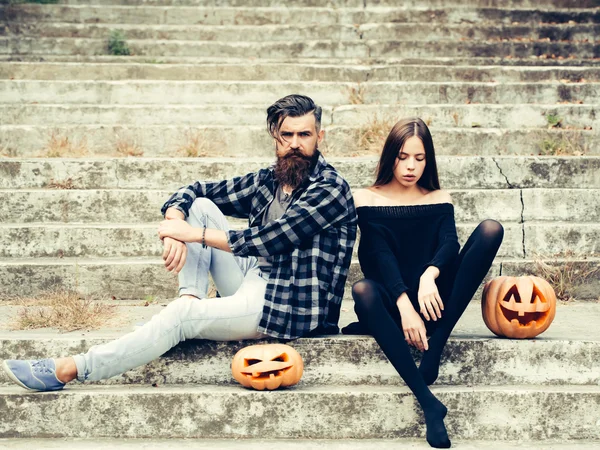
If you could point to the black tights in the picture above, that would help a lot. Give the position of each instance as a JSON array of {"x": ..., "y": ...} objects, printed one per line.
[{"x": 378, "y": 312}]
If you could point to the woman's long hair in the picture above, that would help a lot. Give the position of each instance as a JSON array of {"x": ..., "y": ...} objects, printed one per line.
[{"x": 403, "y": 130}]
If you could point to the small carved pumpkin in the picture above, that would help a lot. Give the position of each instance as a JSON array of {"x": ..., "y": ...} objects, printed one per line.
[
  {"x": 267, "y": 366},
  {"x": 518, "y": 307}
]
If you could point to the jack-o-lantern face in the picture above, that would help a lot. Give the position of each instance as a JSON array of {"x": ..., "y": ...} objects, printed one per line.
[
  {"x": 518, "y": 307},
  {"x": 267, "y": 366}
]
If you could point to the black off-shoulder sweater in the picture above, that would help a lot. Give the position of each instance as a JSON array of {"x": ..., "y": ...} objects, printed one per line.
[{"x": 398, "y": 243}]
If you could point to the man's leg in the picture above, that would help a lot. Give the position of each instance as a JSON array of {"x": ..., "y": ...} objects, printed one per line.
[
  {"x": 225, "y": 319},
  {"x": 166, "y": 330},
  {"x": 227, "y": 271}
]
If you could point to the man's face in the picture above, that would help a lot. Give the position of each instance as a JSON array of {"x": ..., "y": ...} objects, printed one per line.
[
  {"x": 298, "y": 136},
  {"x": 295, "y": 149}
]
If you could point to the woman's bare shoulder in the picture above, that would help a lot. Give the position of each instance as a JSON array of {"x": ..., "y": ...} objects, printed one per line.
[
  {"x": 440, "y": 196},
  {"x": 362, "y": 197}
]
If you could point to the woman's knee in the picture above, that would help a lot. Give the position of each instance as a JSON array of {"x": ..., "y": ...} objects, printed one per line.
[
  {"x": 491, "y": 230},
  {"x": 364, "y": 293}
]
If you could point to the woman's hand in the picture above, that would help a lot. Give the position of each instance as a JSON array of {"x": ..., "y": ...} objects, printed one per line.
[
  {"x": 412, "y": 324},
  {"x": 174, "y": 254},
  {"x": 429, "y": 298},
  {"x": 179, "y": 230}
]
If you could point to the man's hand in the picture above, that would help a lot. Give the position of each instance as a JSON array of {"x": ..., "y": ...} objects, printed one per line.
[
  {"x": 179, "y": 230},
  {"x": 174, "y": 254},
  {"x": 412, "y": 324}
]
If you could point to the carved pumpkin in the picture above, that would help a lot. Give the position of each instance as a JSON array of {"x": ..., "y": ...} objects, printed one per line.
[
  {"x": 267, "y": 366},
  {"x": 518, "y": 307}
]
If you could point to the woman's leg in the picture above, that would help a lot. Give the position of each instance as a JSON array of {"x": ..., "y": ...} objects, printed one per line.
[
  {"x": 371, "y": 309},
  {"x": 473, "y": 263}
]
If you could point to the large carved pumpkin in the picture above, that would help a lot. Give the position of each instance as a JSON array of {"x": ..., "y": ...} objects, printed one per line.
[
  {"x": 267, "y": 366},
  {"x": 518, "y": 307}
]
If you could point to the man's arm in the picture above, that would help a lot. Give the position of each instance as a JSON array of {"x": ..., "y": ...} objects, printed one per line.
[
  {"x": 233, "y": 197},
  {"x": 180, "y": 230}
]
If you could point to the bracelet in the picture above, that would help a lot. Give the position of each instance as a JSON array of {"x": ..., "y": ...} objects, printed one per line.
[{"x": 204, "y": 238}]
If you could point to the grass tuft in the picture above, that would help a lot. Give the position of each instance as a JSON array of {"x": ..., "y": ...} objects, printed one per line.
[
  {"x": 554, "y": 121},
  {"x": 62, "y": 309},
  {"x": 117, "y": 45},
  {"x": 356, "y": 95},
  {"x": 126, "y": 146},
  {"x": 59, "y": 146},
  {"x": 194, "y": 145},
  {"x": 565, "y": 277},
  {"x": 373, "y": 134},
  {"x": 563, "y": 145}
]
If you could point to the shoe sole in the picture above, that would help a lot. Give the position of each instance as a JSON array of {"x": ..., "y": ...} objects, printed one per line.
[{"x": 13, "y": 377}]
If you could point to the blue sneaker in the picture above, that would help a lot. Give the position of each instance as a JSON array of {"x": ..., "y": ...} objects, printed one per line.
[{"x": 37, "y": 375}]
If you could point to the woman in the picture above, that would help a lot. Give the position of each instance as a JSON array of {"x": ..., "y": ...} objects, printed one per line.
[{"x": 416, "y": 284}]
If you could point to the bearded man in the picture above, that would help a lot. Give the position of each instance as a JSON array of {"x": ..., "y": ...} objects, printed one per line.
[{"x": 282, "y": 277}]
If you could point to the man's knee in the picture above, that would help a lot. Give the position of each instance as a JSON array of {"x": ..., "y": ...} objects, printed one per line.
[
  {"x": 203, "y": 206},
  {"x": 179, "y": 308}
]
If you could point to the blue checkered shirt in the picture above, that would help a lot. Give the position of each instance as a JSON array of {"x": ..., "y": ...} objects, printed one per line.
[{"x": 310, "y": 245}]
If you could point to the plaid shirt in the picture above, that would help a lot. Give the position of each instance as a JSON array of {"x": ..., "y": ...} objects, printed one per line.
[{"x": 310, "y": 245}]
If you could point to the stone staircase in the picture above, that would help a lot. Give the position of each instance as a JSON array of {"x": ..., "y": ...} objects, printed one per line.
[{"x": 93, "y": 144}]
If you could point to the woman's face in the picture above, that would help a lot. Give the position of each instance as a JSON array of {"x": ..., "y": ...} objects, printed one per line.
[{"x": 410, "y": 162}]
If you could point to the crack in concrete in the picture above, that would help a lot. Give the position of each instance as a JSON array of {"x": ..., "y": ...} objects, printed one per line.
[
  {"x": 501, "y": 267},
  {"x": 523, "y": 222},
  {"x": 117, "y": 174},
  {"x": 511, "y": 186}
]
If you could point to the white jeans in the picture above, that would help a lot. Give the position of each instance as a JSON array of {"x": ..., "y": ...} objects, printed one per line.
[{"x": 234, "y": 316}]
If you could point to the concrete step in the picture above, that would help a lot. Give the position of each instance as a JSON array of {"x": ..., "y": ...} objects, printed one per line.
[
  {"x": 328, "y": 93},
  {"x": 259, "y": 71},
  {"x": 299, "y": 32},
  {"x": 141, "y": 240},
  {"x": 248, "y": 14},
  {"x": 114, "y": 240},
  {"x": 553, "y": 412},
  {"x": 474, "y": 356},
  {"x": 438, "y": 115},
  {"x": 169, "y": 174},
  {"x": 350, "y": 3},
  {"x": 323, "y": 49},
  {"x": 177, "y": 141},
  {"x": 438, "y": 61},
  {"x": 134, "y": 278},
  {"x": 260, "y": 444},
  {"x": 44, "y": 206}
]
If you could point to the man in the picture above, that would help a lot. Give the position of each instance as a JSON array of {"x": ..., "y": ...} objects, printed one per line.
[{"x": 283, "y": 276}]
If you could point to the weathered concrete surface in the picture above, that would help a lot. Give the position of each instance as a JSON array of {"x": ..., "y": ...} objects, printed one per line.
[
  {"x": 233, "y": 141},
  {"x": 258, "y": 92},
  {"x": 127, "y": 278},
  {"x": 446, "y": 116},
  {"x": 115, "y": 206},
  {"x": 106, "y": 206},
  {"x": 560, "y": 413},
  {"x": 299, "y": 31},
  {"x": 469, "y": 116},
  {"x": 541, "y": 61},
  {"x": 468, "y": 172},
  {"x": 261, "y": 444},
  {"x": 133, "y": 240},
  {"x": 303, "y": 49},
  {"x": 263, "y": 71},
  {"x": 265, "y": 14},
  {"x": 568, "y": 353}
]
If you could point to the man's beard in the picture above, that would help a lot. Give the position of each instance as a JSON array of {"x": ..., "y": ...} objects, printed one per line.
[{"x": 295, "y": 167}]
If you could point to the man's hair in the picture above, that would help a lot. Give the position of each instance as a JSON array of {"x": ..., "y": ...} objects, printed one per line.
[{"x": 294, "y": 105}]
